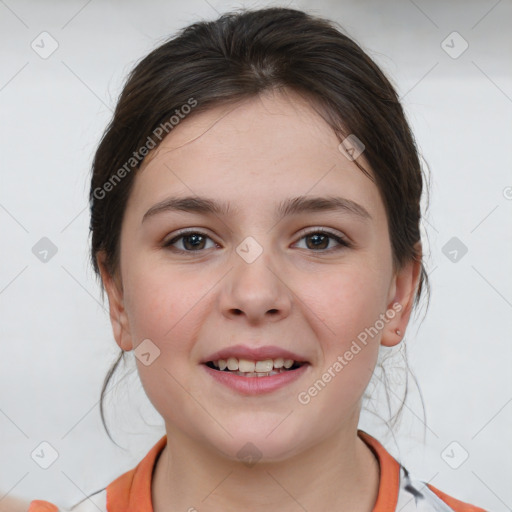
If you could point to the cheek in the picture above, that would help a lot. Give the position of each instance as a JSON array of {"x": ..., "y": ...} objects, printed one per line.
[
  {"x": 166, "y": 309},
  {"x": 349, "y": 303},
  {"x": 163, "y": 303},
  {"x": 352, "y": 298}
]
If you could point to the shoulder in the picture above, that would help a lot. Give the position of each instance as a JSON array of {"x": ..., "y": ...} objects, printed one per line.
[
  {"x": 399, "y": 492},
  {"x": 416, "y": 495},
  {"x": 96, "y": 502}
]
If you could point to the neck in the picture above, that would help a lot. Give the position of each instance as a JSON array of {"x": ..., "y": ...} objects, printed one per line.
[{"x": 341, "y": 473}]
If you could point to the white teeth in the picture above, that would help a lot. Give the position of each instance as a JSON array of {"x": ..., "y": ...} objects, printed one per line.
[
  {"x": 232, "y": 364},
  {"x": 264, "y": 366},
  {"x": 254, "y": 368},
  {"x": 247, "y": 366},
  {"x": 279, "y": 362}
]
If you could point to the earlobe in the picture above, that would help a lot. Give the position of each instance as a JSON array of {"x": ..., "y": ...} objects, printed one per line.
[
  {"x": 402, "y": 294},
  {"x": 118, "y": 316}
]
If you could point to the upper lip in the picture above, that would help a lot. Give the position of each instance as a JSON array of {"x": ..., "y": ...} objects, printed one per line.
[{"x": 254, "y": 353}]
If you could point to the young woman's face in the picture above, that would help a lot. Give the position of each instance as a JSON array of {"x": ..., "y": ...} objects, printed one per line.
[{"x": 254, "y": 279}]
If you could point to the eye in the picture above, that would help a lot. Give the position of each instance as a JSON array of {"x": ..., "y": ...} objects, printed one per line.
[
  {"x": 320, "y": 240},
  {"x": 192, "y": 241}
]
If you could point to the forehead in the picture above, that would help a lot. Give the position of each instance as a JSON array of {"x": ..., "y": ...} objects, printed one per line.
[{"x": 257, "y": 151}]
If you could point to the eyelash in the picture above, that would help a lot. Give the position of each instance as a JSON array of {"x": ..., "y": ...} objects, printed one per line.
[{"x": 343, "y": 242}]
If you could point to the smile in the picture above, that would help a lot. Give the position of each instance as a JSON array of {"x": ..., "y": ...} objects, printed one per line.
[
  {"x": 248, "y": 368},
  {"x": 255, "y": 377}
]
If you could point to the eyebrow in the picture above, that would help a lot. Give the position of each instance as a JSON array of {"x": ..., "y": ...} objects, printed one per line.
[{"x": 291, "y": 206}]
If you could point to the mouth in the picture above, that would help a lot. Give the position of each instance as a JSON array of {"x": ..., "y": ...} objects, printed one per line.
[{"x": 251, "y": 368}]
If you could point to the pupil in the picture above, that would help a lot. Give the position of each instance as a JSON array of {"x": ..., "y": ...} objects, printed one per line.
[
  {"x": 316, "y": 237},
  {"x": 195, "y": 237}
]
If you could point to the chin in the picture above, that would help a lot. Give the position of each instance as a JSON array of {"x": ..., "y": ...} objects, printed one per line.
[{"x": 261, "y": 439}]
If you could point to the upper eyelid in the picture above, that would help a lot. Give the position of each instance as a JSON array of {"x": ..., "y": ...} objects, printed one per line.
[{"x": 329, "y": 231}]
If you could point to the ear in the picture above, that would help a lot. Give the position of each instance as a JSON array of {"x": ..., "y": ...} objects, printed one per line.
[
  {"x": 118, "y": 316},
  {"x": 402, "y": 292}
]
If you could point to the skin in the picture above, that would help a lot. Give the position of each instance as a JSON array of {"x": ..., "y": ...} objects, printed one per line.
[
  {"x": 13, "y": 504},
  {"x": 311, "y": 301}
]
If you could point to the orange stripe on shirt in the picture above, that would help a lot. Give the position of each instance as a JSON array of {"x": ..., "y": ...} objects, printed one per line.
[
  {"x": 457, "y": 505},
  {"x": 389, "y": 477},
  {"x": 131, "y": 492},
  {"x": 42, "y": 506}
]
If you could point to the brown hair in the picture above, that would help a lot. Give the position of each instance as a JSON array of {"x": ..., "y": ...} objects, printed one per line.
[{"x": 238, "y": 56}]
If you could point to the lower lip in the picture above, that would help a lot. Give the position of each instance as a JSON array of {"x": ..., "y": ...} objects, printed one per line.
[{"x": 256, "y": 385}]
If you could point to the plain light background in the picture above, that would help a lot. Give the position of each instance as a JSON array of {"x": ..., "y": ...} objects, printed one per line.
[{"x": 56, "y": 338}]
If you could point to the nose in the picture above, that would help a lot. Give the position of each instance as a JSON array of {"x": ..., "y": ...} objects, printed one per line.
[{"x": 255, "y": 288}]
